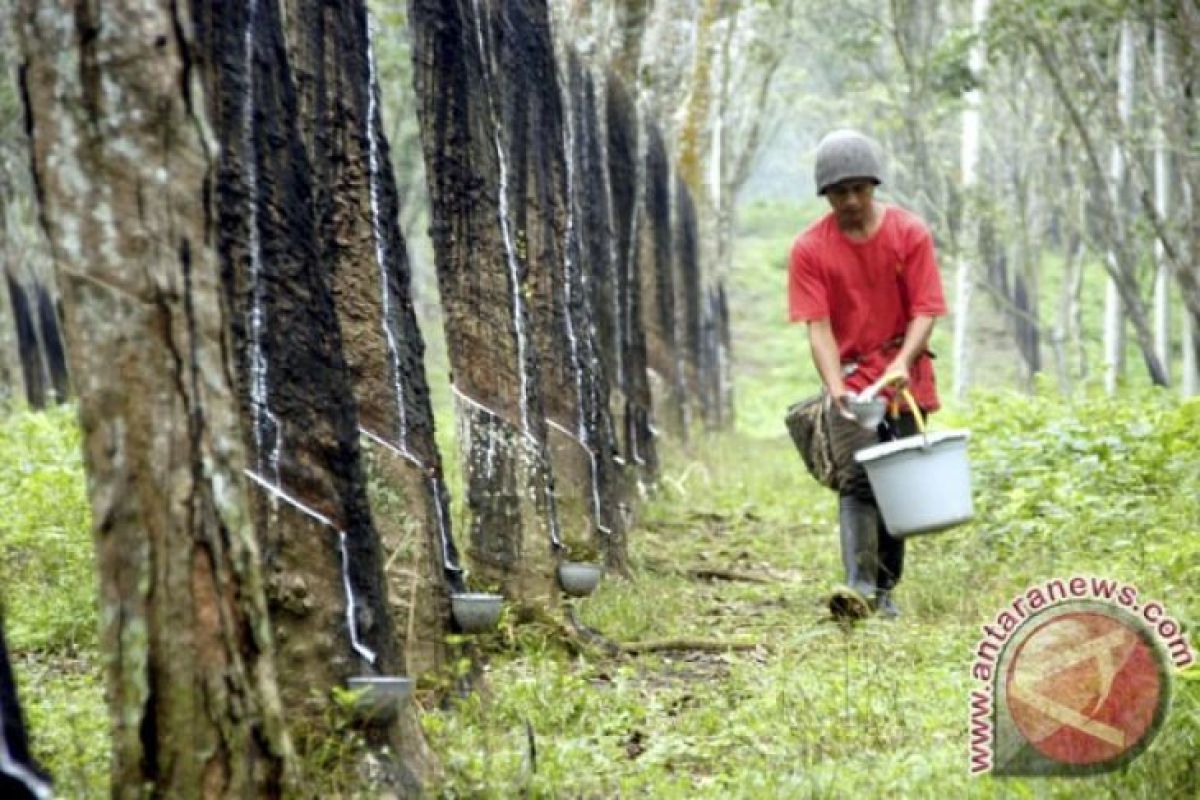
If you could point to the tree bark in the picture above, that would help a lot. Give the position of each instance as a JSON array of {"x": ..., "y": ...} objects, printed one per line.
[
  {"x": 657, "y": 287},
  {"x": 626, "y": 179},
  {"x": 689, "y": 294},
  {"x": 33, "y": 367},
  {"x": 123, "y": 166},
  {"x": 588, "y": 286},
  {"x": 484, "y": 282},
  {"x": 969, "y": 173},
  {"x": 1114, "y": 316},
  {"x": 326, "y": 586},
  {"x": 631, "y": 19},
  {"x": 357, "y": 210},
  {"x": 1162, "y": 199},
  {"x": 1119, "y": 265}
]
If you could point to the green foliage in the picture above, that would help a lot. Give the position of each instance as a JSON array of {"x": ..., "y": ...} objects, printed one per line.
[
  {"x": 48, "y": 593},
  {"x": 1101, "y": 487},
  {"x": 776, "y": 371},
  {"x": 63, "y": 701},
  {"x": 330, "y": 750},
  {"x": 1062, "y": 487},
  {"x": 49, "y": 589}
]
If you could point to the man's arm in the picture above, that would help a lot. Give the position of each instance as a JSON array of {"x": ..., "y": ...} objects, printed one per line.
[
  {"x": 825, "y": 358},
  {"x": 916, "y": 339}
]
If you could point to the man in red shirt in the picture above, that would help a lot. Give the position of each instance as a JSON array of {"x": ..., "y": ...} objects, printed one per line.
[{"x": 865, "y": 279}]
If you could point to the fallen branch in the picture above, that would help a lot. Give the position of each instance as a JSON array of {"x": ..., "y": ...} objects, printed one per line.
[
  {"x": 597, "y": 639},
  {"x": 716, "y": 573},
  {"x": 590, "y": 636},
  {"x": 696, "y": 645}
]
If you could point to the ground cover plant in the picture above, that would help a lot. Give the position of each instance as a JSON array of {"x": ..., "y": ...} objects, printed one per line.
[
  {"x": 804, "y": 708},
  {"x": 736, "y": 545}
]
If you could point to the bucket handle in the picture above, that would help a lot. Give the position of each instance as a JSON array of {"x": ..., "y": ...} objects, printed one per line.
[{"x": 916, "y": 411}]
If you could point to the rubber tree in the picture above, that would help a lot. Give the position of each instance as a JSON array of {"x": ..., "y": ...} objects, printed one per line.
[
  {"x": 364, "y": 250},
  {"x": 465, "y": 103},
  {"x": 322, "y": 551},
  {"x": 123, "y": 164}
]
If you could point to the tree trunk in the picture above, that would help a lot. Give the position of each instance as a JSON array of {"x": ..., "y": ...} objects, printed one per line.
[
  {"x": 1189, "y": 386},
  {"x": 969, "y": 166},
  {"x": 12, "y": 378},
  {"x": 689, "y": 297},
  {"x": 694, "y": 132},
  {"x": 33, "y": 375},
  {"x": 1114, "y": 315},
  {"x": 1189, "y": 383},
  {"x": 1162, "y": 198},
  {"x": 357, "y": 209},
  {"x": 12, "y": 374},
  {"x": 657, "y": 286},
  {"x": 626, "y": 179},
  {"x": 631, "y": 19},
  {"x": 1110, "y": 223},
  {"x": 589, "y": 291},
  {"x": 34, "y": 350},
  {"x": 484, "y": 282},
  {"x": 324, "y": 559},
  {"x": 191, "y": 681},
  {"x": 542, "y": 179}
]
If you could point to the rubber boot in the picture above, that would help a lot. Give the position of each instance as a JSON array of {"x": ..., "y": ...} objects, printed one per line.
[
  {"x": 858, "y": 523},
  {"x": 885, "y": 605}
]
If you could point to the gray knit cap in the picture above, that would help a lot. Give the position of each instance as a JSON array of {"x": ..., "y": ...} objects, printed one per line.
[{"x": 845, "y": 154}]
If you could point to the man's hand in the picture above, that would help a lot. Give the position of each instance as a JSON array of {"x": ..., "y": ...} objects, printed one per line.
[
  {"x": 840, "y": 401},
  {"x": 896, "y": 375}
]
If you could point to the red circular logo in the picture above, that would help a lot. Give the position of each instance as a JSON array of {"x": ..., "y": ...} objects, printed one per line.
[{"x": 1084, "y": 687}]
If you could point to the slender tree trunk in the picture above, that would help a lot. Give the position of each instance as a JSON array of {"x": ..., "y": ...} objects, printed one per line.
[
  {"x": 657, "y": 286},
  {"x": 1114, "y": 314},
  {"x": 12, "y": 377},
  {"x": 626, "y": 180},
  {"x": 191, "y": 681},
  {"x": 632, "y": 16},
  {"x": 1189, "y": 383},
  {"x": 695, "y": 130},
  {"x": 1162, "y": 197},
  {"x": 1112, "y": 230},
  {"x": 38, "y": 354},
  {"x": 689, "y": 298},
  {"x": 969, "y": 166}
]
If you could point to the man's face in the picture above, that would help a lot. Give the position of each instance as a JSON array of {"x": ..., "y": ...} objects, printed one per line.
[{"x": 851, "y": 202}]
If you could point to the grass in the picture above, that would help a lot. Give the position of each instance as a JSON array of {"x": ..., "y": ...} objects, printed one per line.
[
  {"x": 1084, "y": 485},
  {"x": 816, "y": 711},
  {"x": 819, "y": 711},
  {"x": 48, "y": 593}
]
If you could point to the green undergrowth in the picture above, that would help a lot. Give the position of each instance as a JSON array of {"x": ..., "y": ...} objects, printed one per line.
[
  {"x": 1096, "y": 488},
  {"x": 810, "y": 710},
  {"x": 48, "y": 592}
]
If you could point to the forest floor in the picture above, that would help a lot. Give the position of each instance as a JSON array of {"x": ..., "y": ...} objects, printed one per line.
[
  {"x": 811, "y": 709},
  {"x": 803, "y": 708},
  {"x": 815, "y": 709}
]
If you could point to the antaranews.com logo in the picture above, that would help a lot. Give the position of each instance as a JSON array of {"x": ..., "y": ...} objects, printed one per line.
[{"x": 1076, "y": 679}]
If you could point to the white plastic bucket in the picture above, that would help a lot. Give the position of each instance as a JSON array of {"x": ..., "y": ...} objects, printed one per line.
[{"x": 922, "y": 483}]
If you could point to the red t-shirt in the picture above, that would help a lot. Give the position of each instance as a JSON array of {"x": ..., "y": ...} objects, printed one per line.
[{"x": 870, "y": 291}]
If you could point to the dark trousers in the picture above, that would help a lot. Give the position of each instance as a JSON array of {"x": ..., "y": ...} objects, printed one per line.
[{"x": 847, "y": 437}]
